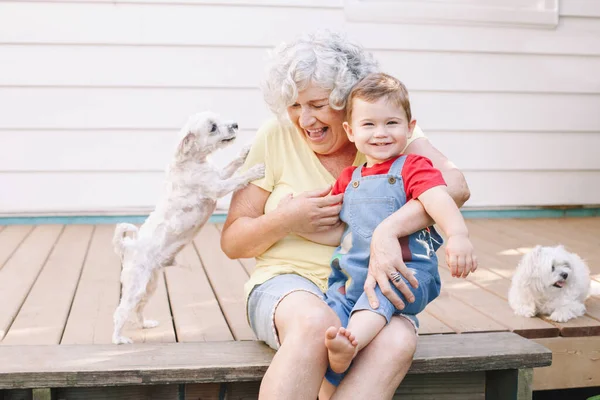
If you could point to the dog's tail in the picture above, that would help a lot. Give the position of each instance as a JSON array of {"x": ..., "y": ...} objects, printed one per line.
[{"x": 120, "y": 240}]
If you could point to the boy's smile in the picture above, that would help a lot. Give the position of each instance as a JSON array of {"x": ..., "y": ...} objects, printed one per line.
[{"x": 380, "y": 130}]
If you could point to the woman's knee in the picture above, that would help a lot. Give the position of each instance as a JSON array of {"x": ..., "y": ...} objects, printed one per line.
[
  {"x": 304, "y": 315},
  {"x": 399, "y": 339}
]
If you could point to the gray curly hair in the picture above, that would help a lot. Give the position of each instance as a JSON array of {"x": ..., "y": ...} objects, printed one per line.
[{"x": 324, "y": 58}]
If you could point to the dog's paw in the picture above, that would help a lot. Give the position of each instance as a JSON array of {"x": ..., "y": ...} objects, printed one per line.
[
  {"x": 561, "y": 316},
  {"x": 121, "y": 340},
  {"x": 524, "y": 311},
  {"x": 256, "y": 172},
  {"x": 149, "y": 323},
  {"x": 244, "y": 152},
  {"x": 565, "y": 314}
]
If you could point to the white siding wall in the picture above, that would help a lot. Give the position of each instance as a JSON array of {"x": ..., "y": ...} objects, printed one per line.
[{"x": 92, "y": 93}]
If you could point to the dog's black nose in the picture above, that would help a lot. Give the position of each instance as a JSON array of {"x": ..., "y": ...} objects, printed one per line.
[
  {"x": 234, "y": 125},
  {"x": 564, "y": 275}
]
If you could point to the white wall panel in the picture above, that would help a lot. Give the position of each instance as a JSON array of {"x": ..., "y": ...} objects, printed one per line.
[
  {"x": 241, "y": 67},
  {"x": 132, "y": 151},
  {"x": 93, "y": 92},
  {"x": 138, "y": 24},
  {"x": 137, "y": 192},
  {"x": 85, "y": 108}
]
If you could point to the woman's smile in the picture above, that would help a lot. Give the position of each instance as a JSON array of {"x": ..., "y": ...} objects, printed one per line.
[{"x": 316, "y": 135}]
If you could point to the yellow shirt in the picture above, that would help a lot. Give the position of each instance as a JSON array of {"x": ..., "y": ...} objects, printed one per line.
[{"x": 291, "y": 167}]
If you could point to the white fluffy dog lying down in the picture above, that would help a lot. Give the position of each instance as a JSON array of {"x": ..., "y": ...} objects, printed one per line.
[
  {"x": 550, "y": 281},
  {"x": 192, "y": 188}
]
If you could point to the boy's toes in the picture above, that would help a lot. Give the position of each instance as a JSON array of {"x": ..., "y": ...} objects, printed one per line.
[{"x": 331, "y": 332}]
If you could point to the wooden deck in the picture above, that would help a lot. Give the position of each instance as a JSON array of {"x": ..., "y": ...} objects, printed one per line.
[{"x": 60, "y": 285}]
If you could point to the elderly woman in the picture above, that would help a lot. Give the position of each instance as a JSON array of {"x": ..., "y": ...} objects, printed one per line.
[{"x": 308, "y": 82}]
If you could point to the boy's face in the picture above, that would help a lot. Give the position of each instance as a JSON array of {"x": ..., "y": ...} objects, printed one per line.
[{"x": 380, "y": 130}]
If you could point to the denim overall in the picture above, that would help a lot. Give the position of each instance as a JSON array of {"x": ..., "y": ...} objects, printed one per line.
[{"x": 368, "y": 201}]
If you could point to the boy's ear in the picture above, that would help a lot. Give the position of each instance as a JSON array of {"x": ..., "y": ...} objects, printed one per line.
[
  {"x": 348, "y": 130},
  {"x": 411, "y": 127}
]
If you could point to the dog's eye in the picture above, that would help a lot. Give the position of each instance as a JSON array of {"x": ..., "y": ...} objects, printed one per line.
[
  {"x": 553, "y": 268},
  {"x": 213, "y": 128}
]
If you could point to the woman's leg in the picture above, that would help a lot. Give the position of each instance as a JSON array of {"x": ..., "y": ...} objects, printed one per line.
[
  {"x": 299, "y": 365},
  {"x": 385, "y": 361}
]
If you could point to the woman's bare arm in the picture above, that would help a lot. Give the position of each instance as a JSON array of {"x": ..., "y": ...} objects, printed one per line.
[{"x": 248, "y": 232}]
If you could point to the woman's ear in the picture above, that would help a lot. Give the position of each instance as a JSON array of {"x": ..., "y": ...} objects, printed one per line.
[{"x": 348, "y": 130}]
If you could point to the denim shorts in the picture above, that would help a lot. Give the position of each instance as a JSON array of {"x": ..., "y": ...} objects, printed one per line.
[
  {"x": 263, "y": 302},
  {"x": 265, "y": 298}
]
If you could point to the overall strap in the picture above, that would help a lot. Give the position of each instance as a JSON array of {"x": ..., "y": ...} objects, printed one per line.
[
  {"x": 396, "y": 168},
  {"x": 357, "y": 173}
]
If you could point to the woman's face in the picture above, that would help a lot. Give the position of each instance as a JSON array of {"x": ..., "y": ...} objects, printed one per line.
[{"x": 320, "y": 124}]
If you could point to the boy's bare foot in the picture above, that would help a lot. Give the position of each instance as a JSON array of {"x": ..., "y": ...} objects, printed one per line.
[{"x": 341, "y": 347}]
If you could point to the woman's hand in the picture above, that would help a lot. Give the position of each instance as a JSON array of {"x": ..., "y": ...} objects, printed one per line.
[
  {"x": 386, "y": 259},
  {"x": 311, "y": 212}
]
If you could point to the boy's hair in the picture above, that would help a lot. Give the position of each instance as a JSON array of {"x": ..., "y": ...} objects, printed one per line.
[{"x": 375, "y": 86}]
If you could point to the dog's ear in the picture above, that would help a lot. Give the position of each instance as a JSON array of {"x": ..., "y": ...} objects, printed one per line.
[{"x": 186, "y": 144}]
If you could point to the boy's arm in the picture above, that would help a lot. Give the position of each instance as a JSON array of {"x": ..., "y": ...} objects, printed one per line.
[
  {"x": 330, "y": 237},
  {"x": 460, "y": 257},
  {"x": 442, "y": 208}
]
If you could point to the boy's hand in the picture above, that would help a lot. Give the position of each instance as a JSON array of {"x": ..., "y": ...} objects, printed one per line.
[{"x": 460, "y": 257}]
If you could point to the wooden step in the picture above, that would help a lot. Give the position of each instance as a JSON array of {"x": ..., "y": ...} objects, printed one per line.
[{"x": 203, "y": 362}]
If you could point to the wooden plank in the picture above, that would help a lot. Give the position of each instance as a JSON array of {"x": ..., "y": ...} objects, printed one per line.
[
  {"x": 430, "y": 325},
  {"x": 249, "y": 264},
  {"x": 574, "y": 363},
  {"x": 21, "y": 270},
  {"x": 150, "y": 392},
  {"x": 509, "y": 384},
  {"x": 227, "y": 278},
  {"x": 569, "y": 233},
  {"x": 576, "y": 238},
  {"x": 17, "y": 394},
  {"x": 10, "y": 239},
  {"x": 580, "y": 326},
  {"x": 495, "y": 307},
  {"x": 449, "y": 386},
  {"x": 461, "y": 317},
  {"x": 42, "y": 317},
  {"x": 204, "y": 391},
  {"x": 196, "y": 312},
  {"x": 91, "y": 317},
  {"x": 470, "y": 385},
  {"x": 202, "y": 362},
  {"x": 241, "y": 390}
]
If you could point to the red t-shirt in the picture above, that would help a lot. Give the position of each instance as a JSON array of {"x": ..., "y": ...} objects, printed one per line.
[{"x": 418, "y": 175}]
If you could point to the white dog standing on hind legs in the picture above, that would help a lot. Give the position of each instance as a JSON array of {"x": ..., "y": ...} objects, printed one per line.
[
  {"x": 193, "y": 186},
  {"x": 550, "y": 281}
]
